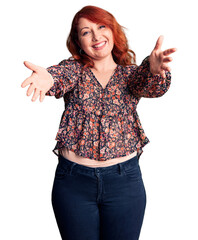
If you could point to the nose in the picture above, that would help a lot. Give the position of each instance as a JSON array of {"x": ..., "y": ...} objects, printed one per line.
[{"x": 95, "y": 36}]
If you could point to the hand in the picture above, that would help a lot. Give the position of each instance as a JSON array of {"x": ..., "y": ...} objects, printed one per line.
[
  {"x": 159, "y": 59},
  {"x": 40, "y": 81}
]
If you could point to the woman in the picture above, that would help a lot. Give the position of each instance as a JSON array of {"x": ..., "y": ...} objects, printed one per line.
[{"x": 98, "y": 190}]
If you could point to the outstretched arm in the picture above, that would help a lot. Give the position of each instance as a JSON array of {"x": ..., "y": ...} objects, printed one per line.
[
  {"x": 52, "y": 81},
  {"x": 152, "y": 78}
]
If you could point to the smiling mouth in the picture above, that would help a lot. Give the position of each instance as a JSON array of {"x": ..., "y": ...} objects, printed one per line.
[{"x": 99, "y": 45}]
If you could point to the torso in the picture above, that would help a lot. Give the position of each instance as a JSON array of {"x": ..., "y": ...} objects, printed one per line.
[
  {"x": 70, "y": 155},
  {"x": 103, "y": 78}
]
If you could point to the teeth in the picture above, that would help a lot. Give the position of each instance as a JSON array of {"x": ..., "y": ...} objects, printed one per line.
[{"x": 99, "y": 45}]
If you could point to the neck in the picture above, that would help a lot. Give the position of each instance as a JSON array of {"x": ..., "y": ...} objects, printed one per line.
[{"x": 105, "y": 64}]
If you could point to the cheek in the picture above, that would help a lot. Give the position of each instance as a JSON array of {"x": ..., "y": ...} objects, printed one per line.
[
  {"x": 110, "y": 36},
  {"x": 111, "y": 41},
  {"x": 84, "y": 43}
]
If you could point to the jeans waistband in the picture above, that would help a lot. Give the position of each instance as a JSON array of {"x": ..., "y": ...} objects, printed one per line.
[{"x": 119, "y": 167}]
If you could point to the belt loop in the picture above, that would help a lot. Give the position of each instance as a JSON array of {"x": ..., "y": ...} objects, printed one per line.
[
  {"x": 73, "y": 164},
  {"x": 121, "y": 169}
]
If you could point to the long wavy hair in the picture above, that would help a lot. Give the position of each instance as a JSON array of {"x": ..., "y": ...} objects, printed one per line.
[{"x": 121, "y": 53}]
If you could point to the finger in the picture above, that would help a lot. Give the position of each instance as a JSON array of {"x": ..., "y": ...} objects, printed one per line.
[
  {"x": 36, "y": 94},
  {"x": 167, "y": 59},
  {"x": 31, "y": 66},
  {"x": 159, "y": 42},
  {"x": 27, "y": 82},
  {"x": 165, "y": 67},
  {"x": 162, "y": 73},
  {"x": 169, "y": 51},
  {"x": 42, "y": 96},
  {"x": 30, "y": 89}
]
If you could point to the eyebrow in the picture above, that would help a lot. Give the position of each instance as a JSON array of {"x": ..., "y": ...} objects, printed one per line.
[{"x": 83, "y": 28}]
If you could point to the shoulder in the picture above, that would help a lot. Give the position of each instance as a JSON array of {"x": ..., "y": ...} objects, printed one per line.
[
  {"x": 71, "y": 63},
  {"x": 128, "y": 69}
]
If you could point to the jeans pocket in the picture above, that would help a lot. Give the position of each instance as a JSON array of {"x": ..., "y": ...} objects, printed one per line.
[{"x": 134, "y": 173}]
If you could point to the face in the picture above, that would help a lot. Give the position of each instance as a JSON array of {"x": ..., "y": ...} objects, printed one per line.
[{"x": 95, "y": 39}]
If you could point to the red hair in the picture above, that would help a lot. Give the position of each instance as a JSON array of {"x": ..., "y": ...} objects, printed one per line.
[{"x": 122, "y": 55}]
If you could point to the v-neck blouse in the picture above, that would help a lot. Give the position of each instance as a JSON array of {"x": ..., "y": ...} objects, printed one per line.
[
  {"x": 94, "y": 77},
  {"x": 102, "y": 123}
]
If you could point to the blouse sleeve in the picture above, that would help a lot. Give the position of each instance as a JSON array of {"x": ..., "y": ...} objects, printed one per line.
[
  {"x": 142, "y": 83},
  {"x": 65, "y": 76}
]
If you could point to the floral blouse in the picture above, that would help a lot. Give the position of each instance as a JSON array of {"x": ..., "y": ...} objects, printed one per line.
[{"x": 102, "y": 123}]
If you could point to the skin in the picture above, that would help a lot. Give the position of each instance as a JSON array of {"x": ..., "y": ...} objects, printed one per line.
[
  {"x": 89, "y": 35},
  {"x": 159, "y": 59}
]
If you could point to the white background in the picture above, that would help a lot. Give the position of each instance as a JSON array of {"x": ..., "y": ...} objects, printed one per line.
[{"x": 36, "y": 31}]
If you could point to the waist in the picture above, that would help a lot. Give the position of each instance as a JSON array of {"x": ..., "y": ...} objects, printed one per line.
[{"x": 70, "y": 155}]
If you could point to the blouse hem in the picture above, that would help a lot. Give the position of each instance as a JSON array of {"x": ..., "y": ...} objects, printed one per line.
[{"x": 138, "y": 149}]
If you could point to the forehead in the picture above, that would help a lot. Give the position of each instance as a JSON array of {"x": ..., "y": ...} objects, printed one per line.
[{"x": 84, "y": 22}]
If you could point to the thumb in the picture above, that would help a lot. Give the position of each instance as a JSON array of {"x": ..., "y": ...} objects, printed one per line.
[
  {"x": 159, "y": 42},
  {"x": 31, "y": 66}
]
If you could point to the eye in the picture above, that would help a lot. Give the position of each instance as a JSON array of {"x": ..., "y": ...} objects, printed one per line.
[
  {"x": 101, "y": 26},
  {"x": 85, "y": 33}
]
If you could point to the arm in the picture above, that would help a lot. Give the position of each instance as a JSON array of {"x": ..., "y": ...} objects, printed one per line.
[
  {"x": 65, "y": 76},
  {"x": 142, "y": 83},
  {"x": 152, "y": 78},
  {"x": 53, "y": 81}
]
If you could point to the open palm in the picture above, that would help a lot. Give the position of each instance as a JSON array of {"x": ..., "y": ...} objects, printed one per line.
[
  {"x": 40, "y": 81},
  {"x": 159, "y": 59}
]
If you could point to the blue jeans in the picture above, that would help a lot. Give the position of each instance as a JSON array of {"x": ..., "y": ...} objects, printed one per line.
[{"x": 103, "y": 203}]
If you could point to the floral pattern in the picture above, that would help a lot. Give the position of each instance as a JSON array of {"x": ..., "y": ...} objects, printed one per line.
[{"x": 102, "y": 123}]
